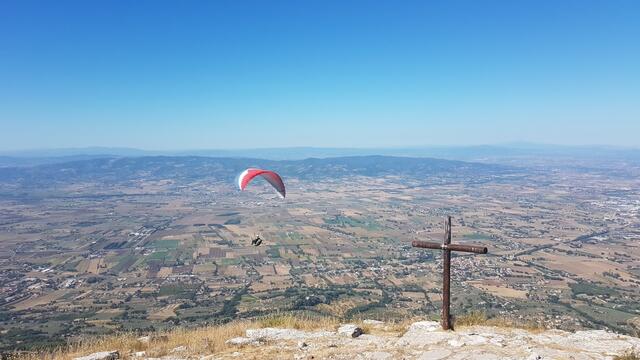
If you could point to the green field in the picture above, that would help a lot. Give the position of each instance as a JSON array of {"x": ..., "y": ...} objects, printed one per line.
[
  {"x": 476, "y": 236},
  {"x": 591, "y": 289},
  {"x": 344, "y": 221},
  {"x": 164, "y": 244},
  {"x": 177, "y": 290},
  {"x": 226, "y": 262},
  {"x": 124, "y": 263}
]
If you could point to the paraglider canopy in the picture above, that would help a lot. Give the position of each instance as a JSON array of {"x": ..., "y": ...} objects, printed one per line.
[{"x": 274, "y": 179}]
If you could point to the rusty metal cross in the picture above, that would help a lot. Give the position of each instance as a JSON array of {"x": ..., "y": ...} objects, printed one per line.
[{"x": 447, "y": 247}]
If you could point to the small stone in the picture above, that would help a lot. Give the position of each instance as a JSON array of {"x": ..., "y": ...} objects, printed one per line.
[
  {"x": 350, "y": 330},
  {"x": 139, "y": 353},
  {"x": 302, "y": 345},
  {"x": 103, "y": 355},
  {"x": 180, "y": 348}
]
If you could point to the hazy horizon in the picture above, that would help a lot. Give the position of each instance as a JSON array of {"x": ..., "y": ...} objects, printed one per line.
[{"x": 511, "y": 144}]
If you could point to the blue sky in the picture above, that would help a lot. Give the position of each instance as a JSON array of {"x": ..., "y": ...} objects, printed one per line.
[{"x": 237, "y": 74}]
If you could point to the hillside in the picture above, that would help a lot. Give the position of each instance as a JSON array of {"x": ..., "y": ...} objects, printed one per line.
[{"x": 324, "y": 339}]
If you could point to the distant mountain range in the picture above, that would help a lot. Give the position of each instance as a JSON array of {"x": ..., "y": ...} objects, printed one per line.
[
  {"x": 480, "y": 153},
  {"x": 188, "y": 168}
]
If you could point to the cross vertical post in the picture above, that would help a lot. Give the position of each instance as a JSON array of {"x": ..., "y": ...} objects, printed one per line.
[
  {"x": 447, "y": 247},
  {"x": 446, "y": 276}
]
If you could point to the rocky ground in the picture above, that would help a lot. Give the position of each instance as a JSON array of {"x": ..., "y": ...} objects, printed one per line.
[{"x": 422, "y": 340}]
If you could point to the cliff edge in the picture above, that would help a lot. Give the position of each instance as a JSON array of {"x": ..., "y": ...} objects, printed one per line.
[{"x": 377, "y": 340}]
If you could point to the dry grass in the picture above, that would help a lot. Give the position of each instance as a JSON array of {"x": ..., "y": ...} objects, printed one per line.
[
  {"x": 471, "y": 319},
  {"x": 203, "y": 340},
  {"x": 628, "y": 355},
  {"x": 401, "y": 326},
  {"x": 480, "y": 318},
  {"x": 211, "y": 339},
  {"x": 302, "y": 322},
  {"x": 337, "y": 308},
  {"x": 296, "y": 321}
]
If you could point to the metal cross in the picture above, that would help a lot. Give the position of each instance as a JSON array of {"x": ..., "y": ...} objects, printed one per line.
[{"x": 447, "y": 247}]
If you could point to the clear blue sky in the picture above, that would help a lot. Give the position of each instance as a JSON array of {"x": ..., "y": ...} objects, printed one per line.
[{"x": 213, "y": 74}]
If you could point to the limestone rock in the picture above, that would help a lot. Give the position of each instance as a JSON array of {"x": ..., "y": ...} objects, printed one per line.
[
  {"x": 377, "y": 355},
  {"x": 350, "y": 330},
  {"x": 426, "y": 340},
  {"x": 284, "y": 334},
  {"x": 436, "y": 354},
  {"x": 240, "y": 341},
  {"x": 455, "y": 343},
  {"x": 103, "y": 355},
  {"x": 426, "y": 326},
  {"x": 424, "y": 333}
]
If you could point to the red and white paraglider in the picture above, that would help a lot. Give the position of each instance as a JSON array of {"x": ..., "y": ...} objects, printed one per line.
[{"x": 273, "y": 178}]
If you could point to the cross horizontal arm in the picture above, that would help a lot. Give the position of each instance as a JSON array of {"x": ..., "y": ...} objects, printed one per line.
[{"x": 452, "y": 247}]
